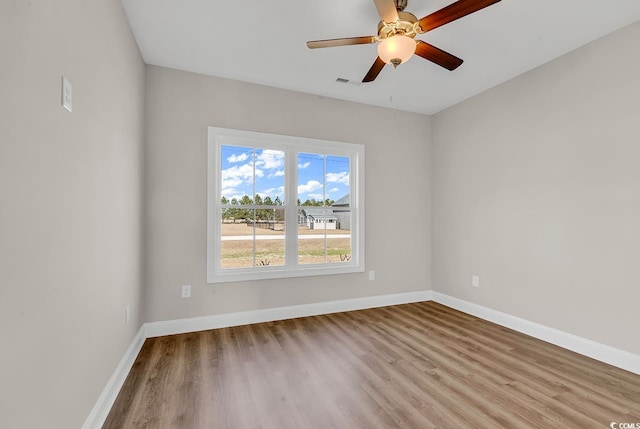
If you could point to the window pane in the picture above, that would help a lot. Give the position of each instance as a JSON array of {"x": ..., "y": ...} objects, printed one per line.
[
  {"x": 238, "y": 175},
  {"x": 310, "y": 179},
  {"x": 270, "y": 241},
  {"x": 324, "y": 227},
  {"x": 237, "y": 241},
  {"x": 337, "y": 178},
  {"x": 339, "y": 245},
  {"x": 269, "y": 177},
  {"x": 320, "y": 242},
  {"x": 250, "y": 242},
  {"x": 312, "y": 214},
  {"x": 311, "y": 234}
]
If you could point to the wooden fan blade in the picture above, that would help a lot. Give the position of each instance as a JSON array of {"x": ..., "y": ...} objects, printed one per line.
[
  {"x": 437, "y": 55},
  {"x": 374, "y": 71},
  {"x": 329, "y": 43},
  {"x": 387, "y": 10},
  {"x": 452, "y": 12}
]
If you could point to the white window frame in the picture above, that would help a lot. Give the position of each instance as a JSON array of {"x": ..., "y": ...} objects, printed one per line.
[{"x": 291, "y": 146}]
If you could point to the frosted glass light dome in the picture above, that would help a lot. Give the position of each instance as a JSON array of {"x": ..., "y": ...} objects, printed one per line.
[{"x": 396, "y": 49}]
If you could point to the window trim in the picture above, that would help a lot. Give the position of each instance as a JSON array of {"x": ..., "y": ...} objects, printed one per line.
[{"x": 217, "y": 137}]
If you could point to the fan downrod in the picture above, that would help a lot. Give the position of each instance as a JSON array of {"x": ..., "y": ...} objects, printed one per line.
[{"x": 400, "y": 5}]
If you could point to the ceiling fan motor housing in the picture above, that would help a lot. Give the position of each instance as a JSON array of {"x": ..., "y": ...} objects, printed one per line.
[{"x": 406, "y": 25}]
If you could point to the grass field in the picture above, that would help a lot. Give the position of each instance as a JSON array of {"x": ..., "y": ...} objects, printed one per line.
[{"x": 239, "y": 253}]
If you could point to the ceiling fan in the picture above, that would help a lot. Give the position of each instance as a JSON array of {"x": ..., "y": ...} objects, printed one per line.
[{"x": 398, "y": 29}]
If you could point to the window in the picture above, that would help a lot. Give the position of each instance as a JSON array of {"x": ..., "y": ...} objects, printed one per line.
[{"x": 281, "y": 206}]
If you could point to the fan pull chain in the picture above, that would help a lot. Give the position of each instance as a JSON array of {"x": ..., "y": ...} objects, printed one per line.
[{"x": 394, "y": 89}]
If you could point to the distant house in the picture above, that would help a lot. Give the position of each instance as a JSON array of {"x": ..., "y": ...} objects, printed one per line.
[
  {"x": 318, "y": 218},
  {"x": 336, "y": 217},
  {"x": 342, "y": 211}
]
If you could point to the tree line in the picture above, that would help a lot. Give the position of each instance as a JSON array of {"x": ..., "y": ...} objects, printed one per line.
[{"x": 264, "y": 214}]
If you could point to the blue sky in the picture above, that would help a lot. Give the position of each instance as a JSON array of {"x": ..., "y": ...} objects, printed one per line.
[{"x": 239, "y": 172}]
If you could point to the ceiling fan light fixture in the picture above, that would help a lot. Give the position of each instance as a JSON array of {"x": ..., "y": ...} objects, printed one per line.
[{"x": 396, "y": 49}]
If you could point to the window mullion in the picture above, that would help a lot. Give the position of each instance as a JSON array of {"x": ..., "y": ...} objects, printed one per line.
[
  {"x": 291, "y": 207},
  {"x": 324, "y": 201},
  {"x": 253, "y": 198}
]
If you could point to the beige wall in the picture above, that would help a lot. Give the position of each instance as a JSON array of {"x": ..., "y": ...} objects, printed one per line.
[
  {"x": 180, "y": 106},
  {"x": 70, "y": 206},
  {"x": 537, "y": 190}
]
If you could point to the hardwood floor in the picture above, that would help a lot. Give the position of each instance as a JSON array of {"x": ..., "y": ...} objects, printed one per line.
[{"x": 409, "y": 366}]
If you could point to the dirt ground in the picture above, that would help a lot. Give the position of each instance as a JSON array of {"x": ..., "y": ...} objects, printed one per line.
[{"x": 271, "y": 252}]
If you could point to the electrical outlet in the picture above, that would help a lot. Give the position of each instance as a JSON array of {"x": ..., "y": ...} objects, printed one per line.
[
  {"x": 372, "y": 275},
  {"x": 186, "y": 291},
  {"x": 475, "y": 281},
  {"x": 127, "y": 313}
]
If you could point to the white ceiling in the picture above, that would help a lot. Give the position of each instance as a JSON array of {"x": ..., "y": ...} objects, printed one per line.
[{"x": 263, "y": 42}]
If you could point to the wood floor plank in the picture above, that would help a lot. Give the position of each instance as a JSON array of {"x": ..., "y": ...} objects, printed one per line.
[{"x": 411, "y": 366}]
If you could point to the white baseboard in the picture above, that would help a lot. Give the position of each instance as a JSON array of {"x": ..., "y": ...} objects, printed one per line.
[
  {"x": 107, "y": 398},
  {"x": 607, "y": 354},
  {"x": 170, "y": 327}
]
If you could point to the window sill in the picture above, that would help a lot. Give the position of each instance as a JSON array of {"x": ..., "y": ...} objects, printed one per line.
[{"x": 267, "y": 273}]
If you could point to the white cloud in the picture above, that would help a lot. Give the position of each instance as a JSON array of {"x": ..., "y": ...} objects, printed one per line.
[
  {"x": 310, "y": 186},
  {"x": 231, "y": 183},
  {"x": 278, "y": 173},
  {"x": 241, "y": 172},
  {"x": 303, "y": 166},
  {"x": 270, "y": 159},
  {"x": 236, "y": 177},
  {"x": 342, "y": 177},
  {"x": 317, "y": 197},
  {"x": 238, "y": 158}
]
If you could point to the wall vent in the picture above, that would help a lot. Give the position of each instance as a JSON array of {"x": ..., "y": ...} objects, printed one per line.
[{"x": 352, "y": 82}]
